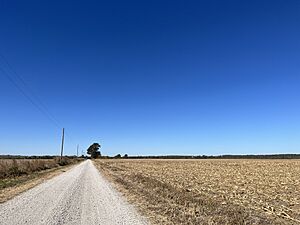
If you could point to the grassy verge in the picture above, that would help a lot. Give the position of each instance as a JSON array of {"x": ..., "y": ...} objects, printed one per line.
[
  {"x": 17, "y": 176},
  {"x": 17, "y": 167}
]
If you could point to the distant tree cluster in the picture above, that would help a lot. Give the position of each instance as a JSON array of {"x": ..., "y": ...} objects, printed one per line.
[
  {"x": 93, "y": 150},
  {"x": 118, "y": 156},
  {"x": 274, "y": 156}
]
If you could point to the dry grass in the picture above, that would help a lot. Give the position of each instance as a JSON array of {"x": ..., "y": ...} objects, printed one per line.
[
  {"x": 17, "y": 167},
  {"x": 26, "y": 182},
  {"x": 210, "y": 191},
  {"x": 15, "y": 171},
  {"x": 19, "y": 175}
]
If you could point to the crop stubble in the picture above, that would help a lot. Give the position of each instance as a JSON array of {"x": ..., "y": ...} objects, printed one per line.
[{"x": 210, "y": 191}]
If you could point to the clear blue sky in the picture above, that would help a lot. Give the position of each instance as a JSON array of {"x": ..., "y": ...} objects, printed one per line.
[{"x": 152, "y": 77}]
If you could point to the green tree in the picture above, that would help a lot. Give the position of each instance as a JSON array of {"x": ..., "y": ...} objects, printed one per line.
[{"x": 93, "y": 150}]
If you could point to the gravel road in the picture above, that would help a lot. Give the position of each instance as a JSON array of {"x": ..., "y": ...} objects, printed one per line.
[{"x": 78, "y": 196}]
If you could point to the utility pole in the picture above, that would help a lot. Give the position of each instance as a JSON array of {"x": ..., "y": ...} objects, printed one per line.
[
  {"x": 62, "y": 143},
  {"x": 77, "y": 150}
]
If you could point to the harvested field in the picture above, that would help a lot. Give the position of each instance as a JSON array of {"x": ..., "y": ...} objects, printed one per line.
[{"x": 210, "y": 191}]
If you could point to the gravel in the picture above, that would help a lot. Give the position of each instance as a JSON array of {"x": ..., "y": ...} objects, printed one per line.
[{"x": 78, "y": 196}]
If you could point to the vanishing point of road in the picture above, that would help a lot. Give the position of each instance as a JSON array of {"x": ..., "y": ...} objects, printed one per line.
[{"x": 78, "y": 196}]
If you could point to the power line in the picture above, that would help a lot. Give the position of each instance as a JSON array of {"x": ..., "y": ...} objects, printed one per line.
[
  {"x": 33, "y": 98},
  {"x": 19, "y": 83},
  {"x": 29, "y": 98}
]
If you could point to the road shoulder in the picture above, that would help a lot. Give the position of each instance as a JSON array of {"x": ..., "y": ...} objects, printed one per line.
[{"x": 27, "y": 182}]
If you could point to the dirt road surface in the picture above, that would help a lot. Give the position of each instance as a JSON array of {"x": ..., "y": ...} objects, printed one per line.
[{"x": 78, "y": 196}]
